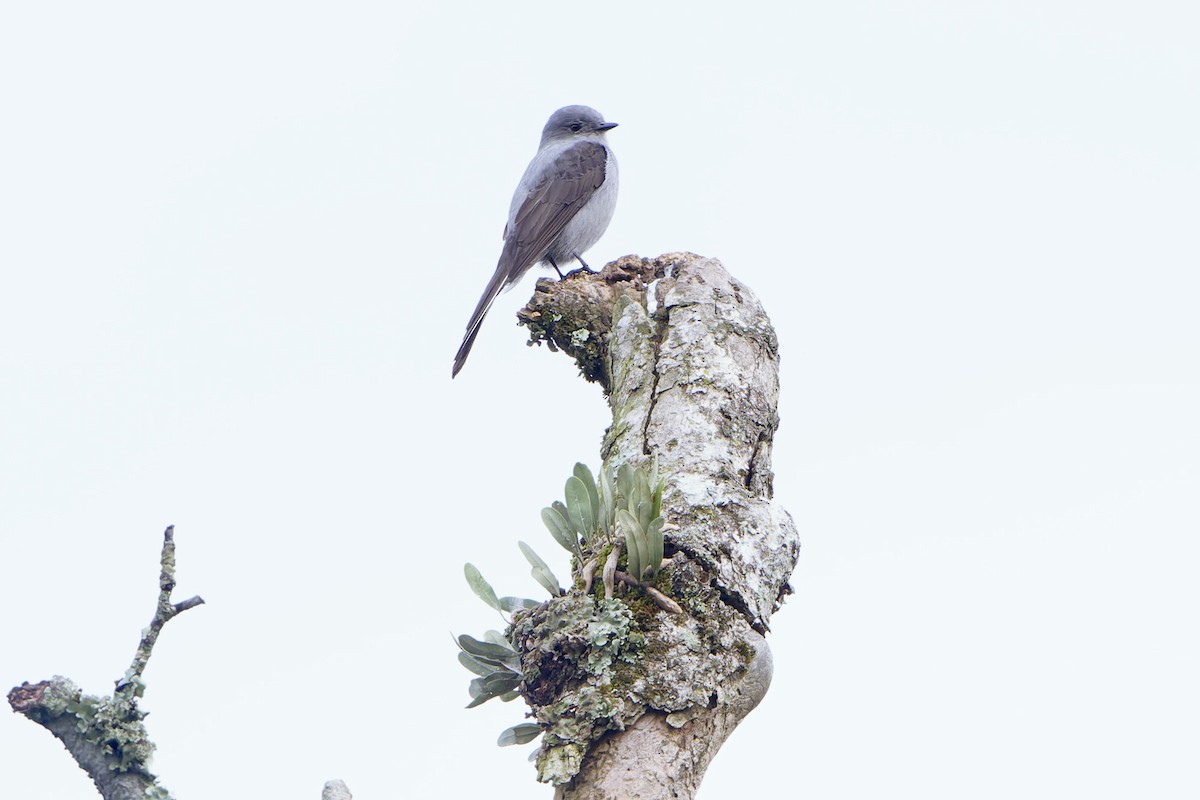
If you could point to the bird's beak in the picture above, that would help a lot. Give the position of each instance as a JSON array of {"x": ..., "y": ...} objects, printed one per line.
[{"x": 606, "y": 126}]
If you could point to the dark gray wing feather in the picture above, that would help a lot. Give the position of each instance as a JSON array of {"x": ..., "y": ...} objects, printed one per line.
[
  {"x": 575, "y": 176},
  {"x": 567, "y": 186}
]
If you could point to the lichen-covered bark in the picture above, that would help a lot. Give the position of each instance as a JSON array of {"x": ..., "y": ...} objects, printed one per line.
[
  {"x": 689, "y": 362},
  {"x": 105, "y": 735}
]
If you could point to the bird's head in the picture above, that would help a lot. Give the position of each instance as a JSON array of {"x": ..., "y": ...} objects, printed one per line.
[{"x": 574, "y": 121}]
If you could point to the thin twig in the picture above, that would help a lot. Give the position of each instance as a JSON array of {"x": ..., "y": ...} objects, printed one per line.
[{"x": 165, "y": 611}]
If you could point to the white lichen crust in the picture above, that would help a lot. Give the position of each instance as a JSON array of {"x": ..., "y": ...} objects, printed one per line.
[{"x": 704, "y": 399}]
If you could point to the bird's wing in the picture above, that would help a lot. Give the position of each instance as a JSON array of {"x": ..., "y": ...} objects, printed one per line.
[{"x": 565, "y": 188}]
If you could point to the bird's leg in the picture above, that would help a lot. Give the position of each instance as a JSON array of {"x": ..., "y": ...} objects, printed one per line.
[
  {"x": 556, "y": 269},
  {"x": 579, "y": 258}
]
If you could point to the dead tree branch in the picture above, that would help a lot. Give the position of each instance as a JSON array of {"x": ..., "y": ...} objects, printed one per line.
[
  {"x": 105, "y": 735},
  {"x": 689, "y": 363}
]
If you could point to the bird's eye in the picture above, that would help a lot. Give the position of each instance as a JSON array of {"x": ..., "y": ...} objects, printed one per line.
[{"x": 576, "y": 127}]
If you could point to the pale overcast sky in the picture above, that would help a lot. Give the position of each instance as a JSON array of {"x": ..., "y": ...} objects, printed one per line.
[{"x": 238, "y": 246}]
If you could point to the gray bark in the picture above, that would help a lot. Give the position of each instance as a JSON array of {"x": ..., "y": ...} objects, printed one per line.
[{"x": 689, "y": 362}]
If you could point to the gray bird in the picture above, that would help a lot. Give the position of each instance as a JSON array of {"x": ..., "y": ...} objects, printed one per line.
[{"x": 561, "y": 207}]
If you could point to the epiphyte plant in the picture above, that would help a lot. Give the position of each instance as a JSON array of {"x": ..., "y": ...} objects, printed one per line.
[
  {"x": 624, "y": 513},
  {"x": 627, "y": 511}
]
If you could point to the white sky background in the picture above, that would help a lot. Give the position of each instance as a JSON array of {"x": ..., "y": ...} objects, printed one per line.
[{"x": 238, "y": 246}]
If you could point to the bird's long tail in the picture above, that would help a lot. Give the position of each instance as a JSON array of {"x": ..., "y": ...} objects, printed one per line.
[{"x": 489, "y": 294}]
